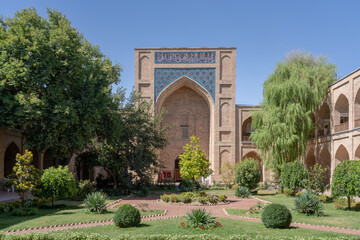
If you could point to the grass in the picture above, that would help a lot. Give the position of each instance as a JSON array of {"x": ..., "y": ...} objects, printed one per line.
[
  {"x": 231, "y": 227},
  {"x": 73, "y": 212},
  {"x": 333, "y": 217}
]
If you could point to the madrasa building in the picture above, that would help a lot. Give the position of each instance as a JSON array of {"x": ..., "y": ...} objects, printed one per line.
[{"x": 196, "y": 88}]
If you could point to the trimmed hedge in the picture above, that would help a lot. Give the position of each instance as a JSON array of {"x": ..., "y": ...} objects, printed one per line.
[
  {"x": 127, "y": 216},
  {"x": 82, "y": 236},
  {"x": 276, "y": 216}
]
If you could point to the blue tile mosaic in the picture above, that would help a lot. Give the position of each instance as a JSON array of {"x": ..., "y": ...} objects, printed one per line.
[
  {"x": 204, "y": 76},
  {"x": 185, "y": 57}
]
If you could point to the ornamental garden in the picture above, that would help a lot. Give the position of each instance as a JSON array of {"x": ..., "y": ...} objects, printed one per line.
[{"x": 122, "y": 141}]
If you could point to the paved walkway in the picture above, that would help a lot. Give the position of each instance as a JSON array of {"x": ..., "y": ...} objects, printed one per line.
[{"x": 176, "y": 210}]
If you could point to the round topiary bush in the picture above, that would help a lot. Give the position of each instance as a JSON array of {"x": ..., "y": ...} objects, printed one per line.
[
  {"x": 127, "y": 216},
  {"x": 276, "y": 216}
]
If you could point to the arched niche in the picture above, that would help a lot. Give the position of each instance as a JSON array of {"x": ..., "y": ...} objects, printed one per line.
[
  {"x": 10, "y": 158},
  {"x": 357, "y": 153},
  {"x": 144, "y": 68},
  {"x": 341, "y": 155},
  {"x": 224, "y": 115},
  {"x": 310, "y": 159},
  {"x": 246, "y": 129},
  {"x": 189, "y": 109},
  {"x": 225, "y": 68},
  {"x": 324, "y": 124},
  {"x": 341, "y": 115},
  {"x": 224, "y": 157},
  {"x": 325, "y": 162},
  {"x": 357, "y": 110}
]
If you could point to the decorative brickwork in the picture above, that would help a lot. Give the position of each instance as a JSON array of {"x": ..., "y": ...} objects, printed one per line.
[
  {"x": 204, "y": 76},
  {"x": 184, "y": 57}
]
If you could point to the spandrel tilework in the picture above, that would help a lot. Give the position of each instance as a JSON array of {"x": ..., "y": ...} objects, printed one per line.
[{"x": 204, "y": 76}]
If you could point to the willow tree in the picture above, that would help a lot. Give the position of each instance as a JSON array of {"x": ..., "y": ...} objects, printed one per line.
[{"x": 291, "y": 96}]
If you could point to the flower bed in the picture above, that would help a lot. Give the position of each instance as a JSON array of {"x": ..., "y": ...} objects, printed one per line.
[{"x": 200, "y": 198}]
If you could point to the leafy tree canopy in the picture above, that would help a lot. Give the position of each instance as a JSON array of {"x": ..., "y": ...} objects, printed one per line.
[
  {"x": 127, "y": 143},
  {"x": 247, "y": 173},
  {"x": 53, "y": 81},
  {"x": 294, "y": 175},
  {"x": 291, "y": 95},
  {"x": 193, "y": 163}
]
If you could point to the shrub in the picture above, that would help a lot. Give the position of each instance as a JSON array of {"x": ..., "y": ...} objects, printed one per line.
[
  {"x": 316, "y": 181},
  {"x": 84, "y": 187},
  {"x": 165, "y": 197},
  {"x": 257, "y": 207},
  {"x": 247, "y": 173},
  {"x": 222, "y": 198},
  {"x": 309, "y": 204},
  {"x": 186, "y": 186},
  {"x": 186, "y": 197},
  {"x": 326, "y": 198},
  {"x": 227, "y": 173},
  {"x": 174, "y": 198},
  {"x": 242, "y": 192},
  {"x": 235, "y": 186},
  {"x": 127, "y": 216},
  {"x": 23, "y": 212},
  {"x": 346, "y": 180},
  {"x": 199, "y": 217},
  {"x": 96, "y": 202},
  {"x": 276, "y": 216},
  {"x": 289, "y": 192},
  {"x": 211, "y": 199},
  {"x": 57, "y": 183},
  {"x": 293, "y": 175}
]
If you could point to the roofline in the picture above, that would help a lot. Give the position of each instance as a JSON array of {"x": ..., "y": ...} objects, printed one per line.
[
  {"x": 358, "y": 69},
  {"x": 187, "y": 48},
  {"x": 249, "y": 106}
]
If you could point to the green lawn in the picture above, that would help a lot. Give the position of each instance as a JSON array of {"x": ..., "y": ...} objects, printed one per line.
[
  {"x": 333, "y": 217},
  {"x": 231, "y": 227},
  {"x": 73, "y": 212}
]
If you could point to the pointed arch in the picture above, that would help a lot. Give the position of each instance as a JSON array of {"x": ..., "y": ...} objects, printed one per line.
[
  {"x": 357, "y": 109},
  {"x": 255, "y": 156},
  {"x": 36, "y": 158},
  {"x": 224, "y": 115},
  {"x": 48, "y": 160},
  {"x": 357, "y": 153},
  {"x": 310, "y": 159},
  {"x": 325, "y": 162},
  {"x": 324, "y": 125},
  {"x": 10, "y": 158},
  {"x": 144, "y": 68},
  {"x": 224, "y": 157},
  {"x": 341, "y": 115},
  {"x": 246, "y": 129},
  {"x": 225, "y": 68},
  {"x": 341, "y": 155}
]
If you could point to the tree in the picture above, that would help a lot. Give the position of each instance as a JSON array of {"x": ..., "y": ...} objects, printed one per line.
[
  {"x": 346, "y": 180},
  {"x": 26, "y": 175},
  {"x": 291, "y": 95},
  {"x": 315, "y": 182},
  {"x": 54, "y": 82},
  {"x": 57, "y": 183},
  {"x": 193, "y": 163},
  {"x": 227, "y": 173},
  {"x": 294, "y": 175},
  {"x": 127, "y": 143},
  {"x": 247, "y": 173}
]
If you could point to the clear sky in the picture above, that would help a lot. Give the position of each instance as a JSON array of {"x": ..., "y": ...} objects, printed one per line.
[{"x": 262, "y": 31}]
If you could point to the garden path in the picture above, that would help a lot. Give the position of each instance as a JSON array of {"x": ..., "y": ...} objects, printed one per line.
[{"x": 177, "y": 210}]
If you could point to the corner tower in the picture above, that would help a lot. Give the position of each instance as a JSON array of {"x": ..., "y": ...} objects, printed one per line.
[{"x": 196, "y": 87}]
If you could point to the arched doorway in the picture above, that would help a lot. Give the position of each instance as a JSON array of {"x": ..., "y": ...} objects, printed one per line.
[
  {"x": 10, "y": 158},
  {"x": 341, "y": 114},
  {"x": 310, "y": 159},
  {"x": 36, "y": 158},
  {"x": 255, "y": 156},
  {"x": 84, "y": 164},
  {"x": 188, "y": 113},
  {"x": 177, "y": 175},
  {"x": 48, "y": 160},
  {"x": 325, "y": 162},
  {"x": 246, "y": 130},
  {"x": 341, "y": 155}
]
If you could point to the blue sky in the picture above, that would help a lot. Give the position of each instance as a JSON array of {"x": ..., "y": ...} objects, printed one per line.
[{"x": 262, "y": 31}]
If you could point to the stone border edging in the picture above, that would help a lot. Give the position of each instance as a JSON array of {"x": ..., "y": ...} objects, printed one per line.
[
  {"x": 260, "y": 200},
  {"x": 106, "y": 222},
  {"x": 295, "y": 223}
]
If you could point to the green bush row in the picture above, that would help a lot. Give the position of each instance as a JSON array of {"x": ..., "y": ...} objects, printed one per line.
[{"x": 81, "y": 236}]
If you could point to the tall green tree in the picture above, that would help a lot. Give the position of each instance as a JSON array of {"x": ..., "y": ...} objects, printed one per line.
[
  {"x": 291, "y": 95},
  {"x": 193, "y": 162},
  {"x": 53, "y": 82},
  {"x": 127, "y": 143}
]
